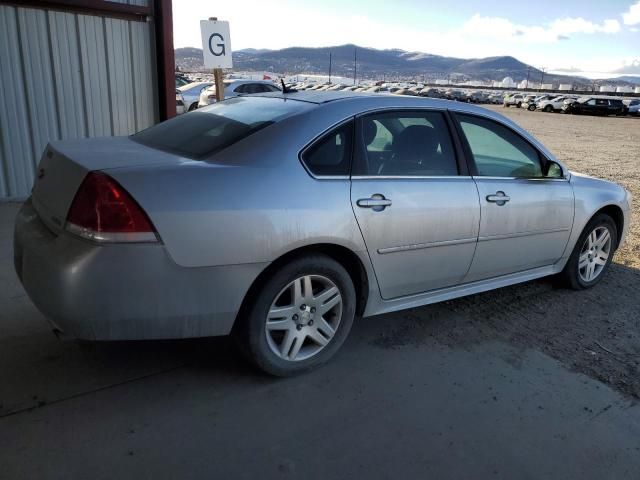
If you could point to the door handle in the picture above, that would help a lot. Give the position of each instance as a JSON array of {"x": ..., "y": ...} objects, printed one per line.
[
  {"x": 500, "y": 198},
  {"x": 377, "y": 202}
]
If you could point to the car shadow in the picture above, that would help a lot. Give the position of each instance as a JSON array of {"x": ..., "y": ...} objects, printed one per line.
[{"x": 595, "y": 332}]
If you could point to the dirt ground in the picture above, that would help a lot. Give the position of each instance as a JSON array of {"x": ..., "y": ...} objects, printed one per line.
[{"x": 595, "y": 332}]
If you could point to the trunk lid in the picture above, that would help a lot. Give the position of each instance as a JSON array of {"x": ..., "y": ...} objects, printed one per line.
[{"x": 65, "y": 164}]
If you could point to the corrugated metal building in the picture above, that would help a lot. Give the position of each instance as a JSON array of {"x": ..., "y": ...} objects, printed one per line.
[{"x": 73, "y": 69}]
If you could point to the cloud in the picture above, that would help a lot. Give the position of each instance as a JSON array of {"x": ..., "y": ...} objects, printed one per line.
[
  {"x": 559, "y": 29},
  {"x": 632, "y": 16},
  {"x": 630, "y": 67},
  {"x": 600, "y": 67}
]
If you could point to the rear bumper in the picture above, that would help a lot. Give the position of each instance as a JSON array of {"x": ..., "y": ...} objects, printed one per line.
[{"x": 123, "y": 292}]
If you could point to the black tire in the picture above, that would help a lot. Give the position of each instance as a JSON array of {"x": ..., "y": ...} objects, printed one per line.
[
  {"x": 548, "y": 109},
  {"x": 251, "y": 330},
  {"x": 193, "y": 106},
  {"x": 519, "y": 104},
  {"x": 570, "y": 276},
  {"x": 531, "y": 108}
]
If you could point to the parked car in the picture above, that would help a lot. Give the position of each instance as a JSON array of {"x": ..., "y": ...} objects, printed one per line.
[
  {"x": 513, "y": 100},
  {"x": 531, "y": 101},
  {"x": 595, "y": 106},
  {"x": 526, "y": 99},
  {"x": 633, "y": 108},
  {"x": 457, "y": 95},
  {"x": 180, "y": 108},
  {"x": 181, "y": 80},
  {"x": 477, "y": 97},
  {"x": 406, "y": 92},
  {"x": 264, "y": 216},
  {"x": 554, "y": 104},
  {"x": 233, "y": 88},
  {"x": 430, "y": 92},
  {"x": 496, "y": 98},
  {"x": 191, "y": 93}
]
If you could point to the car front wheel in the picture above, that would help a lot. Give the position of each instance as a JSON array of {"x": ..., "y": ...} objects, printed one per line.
[
  {"x": 300, "y": 317},
  {"x": 592, "y": 254}
]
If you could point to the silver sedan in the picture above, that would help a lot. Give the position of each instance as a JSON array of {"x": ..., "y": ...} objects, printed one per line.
[{"x": 278, "y": 218}]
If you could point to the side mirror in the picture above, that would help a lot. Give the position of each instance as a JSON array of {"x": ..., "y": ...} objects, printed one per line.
[{"x": 552, "y": 169}]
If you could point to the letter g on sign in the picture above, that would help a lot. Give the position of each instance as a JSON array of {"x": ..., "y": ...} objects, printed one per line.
[{"x": 220, "y": 50}]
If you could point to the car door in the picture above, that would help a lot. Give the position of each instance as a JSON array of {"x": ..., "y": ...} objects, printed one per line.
[
  {"x": 526, "y": 217},
  {"x": 602, "y": 106},
  {"x": 416, "y": 205}
]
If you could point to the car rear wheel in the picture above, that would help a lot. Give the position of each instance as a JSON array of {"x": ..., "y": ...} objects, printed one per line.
[
  {"x": 531, "y": 108},
  {"x": 193, "y": 106},
  {"x": 300, "y": 317},
  {"x": 548, "y": 109},
  {"x": 592, "y": 254}
]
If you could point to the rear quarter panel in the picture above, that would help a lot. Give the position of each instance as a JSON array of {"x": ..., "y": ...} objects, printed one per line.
[{"x": 250, "y": 203}]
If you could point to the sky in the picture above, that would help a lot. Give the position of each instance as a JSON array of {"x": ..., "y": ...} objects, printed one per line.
[{"x": 583, "y": 37}]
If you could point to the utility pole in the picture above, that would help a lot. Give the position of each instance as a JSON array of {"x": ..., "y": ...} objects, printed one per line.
[
  {"x": 355, "y": 64},
  {"x": 329, "y": 67},
  {"x": 528, "y": 73},
  {"x": 542, "y": 69}
]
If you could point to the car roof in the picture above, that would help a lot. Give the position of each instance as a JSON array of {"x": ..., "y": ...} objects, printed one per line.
[
  {"x": 229, "y": 81},
  {"x": 319, "y": 97},
  {"x": 347, "y": 104},
  {"x": 191, "y": 85}
]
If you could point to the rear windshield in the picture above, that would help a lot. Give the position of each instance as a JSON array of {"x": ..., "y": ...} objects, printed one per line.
[{"x": 211, "y": 129}]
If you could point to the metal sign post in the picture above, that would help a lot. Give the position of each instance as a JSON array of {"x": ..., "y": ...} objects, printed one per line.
[{"x": 216, "y": 49}]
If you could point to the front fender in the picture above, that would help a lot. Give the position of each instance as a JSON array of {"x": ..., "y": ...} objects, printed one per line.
[{"x": 592, "y": 195}]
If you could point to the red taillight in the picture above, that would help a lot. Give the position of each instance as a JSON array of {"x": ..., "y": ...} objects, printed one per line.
[{"x": 103, "y": 211}]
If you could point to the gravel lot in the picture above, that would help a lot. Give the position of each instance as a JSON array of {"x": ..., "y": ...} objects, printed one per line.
[
  {"x": 505, "y": 384},
  {"x": 605, "y": 147},
  {"x": 596, "y": 332}
]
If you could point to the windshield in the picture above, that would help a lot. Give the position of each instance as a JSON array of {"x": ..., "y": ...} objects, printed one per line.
[{"x": 211, "y": 129}]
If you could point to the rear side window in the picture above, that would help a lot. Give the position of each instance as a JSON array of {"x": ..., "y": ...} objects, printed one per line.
[
  {"x": 331, "y": 154},
  {"x": 211, "y": 129},
  {"x": 498, "y": 151}
]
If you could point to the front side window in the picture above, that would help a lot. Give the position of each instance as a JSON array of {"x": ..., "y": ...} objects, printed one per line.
[
  {"x": 331, "y": 154},
  {"x": 405, "y": 144},
  {"x": 498, "y": 151}
]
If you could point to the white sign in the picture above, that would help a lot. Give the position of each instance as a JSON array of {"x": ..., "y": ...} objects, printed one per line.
[{"x": 216, "y": 44}]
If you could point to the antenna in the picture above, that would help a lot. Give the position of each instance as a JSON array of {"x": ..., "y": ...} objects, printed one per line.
[{"x": 285, "y": 89}]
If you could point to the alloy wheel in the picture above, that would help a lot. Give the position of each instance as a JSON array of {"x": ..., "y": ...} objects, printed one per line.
[
  {"x": 594, "y": 254},
  {"x": 303, "y": 318}
]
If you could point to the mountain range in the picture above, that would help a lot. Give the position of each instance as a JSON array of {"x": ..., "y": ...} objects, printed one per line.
[{"x": 392, "y": 64}]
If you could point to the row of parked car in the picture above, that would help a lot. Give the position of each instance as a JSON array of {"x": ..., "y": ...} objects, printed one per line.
[
  {"x": 200, "y": 94},
  {"x": 585, "y": 105},
  {"x": 190, "y": 96},
  {"x": 470, "y": 96}
]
